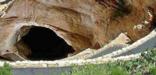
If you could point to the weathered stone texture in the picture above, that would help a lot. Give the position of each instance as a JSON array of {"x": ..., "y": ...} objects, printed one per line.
[{"x": 81, "y": 23}]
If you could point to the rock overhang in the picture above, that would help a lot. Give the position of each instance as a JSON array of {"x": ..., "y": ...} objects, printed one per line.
[{"x": 23, "y": 29}]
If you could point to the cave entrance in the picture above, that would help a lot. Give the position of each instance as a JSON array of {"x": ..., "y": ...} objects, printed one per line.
[{"x": 45, "y": 44}]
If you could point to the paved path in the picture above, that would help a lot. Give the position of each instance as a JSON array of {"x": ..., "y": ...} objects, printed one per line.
[{"x": 42, "y": 71}]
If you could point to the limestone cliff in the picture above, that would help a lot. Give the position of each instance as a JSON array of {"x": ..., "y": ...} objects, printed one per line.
[{"x": 81, "y": 24}]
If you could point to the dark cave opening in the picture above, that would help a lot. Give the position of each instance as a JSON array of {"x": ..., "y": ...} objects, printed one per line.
[{"x": 45, "y": 44}]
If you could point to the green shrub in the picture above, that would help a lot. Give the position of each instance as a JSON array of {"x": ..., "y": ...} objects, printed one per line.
[
  {"x": 153, "y": 71},
  {"x": 5, "y": 70},
  {"x": 146, "y": 65}
]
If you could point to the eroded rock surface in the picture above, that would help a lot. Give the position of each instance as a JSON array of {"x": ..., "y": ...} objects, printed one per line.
[{"x": 81, "y": 23}]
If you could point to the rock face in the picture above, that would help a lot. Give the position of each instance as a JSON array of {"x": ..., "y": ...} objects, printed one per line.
[{"x": 81, "y": 24}]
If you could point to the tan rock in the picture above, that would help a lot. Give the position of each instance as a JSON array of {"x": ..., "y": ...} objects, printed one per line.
[{"x": 81, "y": 23}]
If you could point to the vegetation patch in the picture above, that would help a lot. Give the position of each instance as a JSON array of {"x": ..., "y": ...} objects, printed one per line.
[
  {"x": 146, "y": 65},
  {"x": 5, "y": 70}
]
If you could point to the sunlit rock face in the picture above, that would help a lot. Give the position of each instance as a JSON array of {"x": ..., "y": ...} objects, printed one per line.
[{"x": 81, "y": 24}]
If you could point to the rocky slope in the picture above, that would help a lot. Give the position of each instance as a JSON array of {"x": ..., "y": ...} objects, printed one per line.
[{"x": 81, "y": 24}]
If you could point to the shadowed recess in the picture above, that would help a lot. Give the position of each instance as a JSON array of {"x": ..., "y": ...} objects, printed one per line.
[{"x": 45, "y": 44}]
